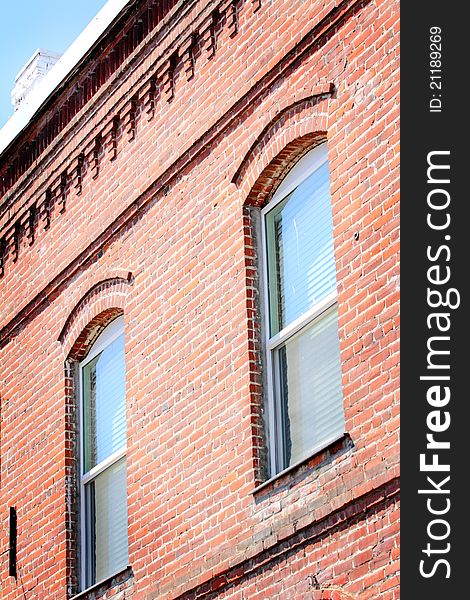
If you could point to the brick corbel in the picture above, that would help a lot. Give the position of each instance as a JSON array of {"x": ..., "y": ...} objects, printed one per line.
[
  {"x": 63, "y": 189},
  {"x": 188, "y": 55},
  {"x": 77, "y": 171},
  {"x": 97, "y": 153},
  {"x": 3, "y": 251},
  {"x": 32, "y": 221},
  {"x": 47, "y": 205},
  {"x": 209, "y": 33},
  {"x": 17, "y": 234},
  {"x": 167, "y": 73},
  {"x": 111, "y": 133},
  {"x": 233, "y": 15},
  {"x": 129, "y": 118},
  {"x": 148, "y": 95}
]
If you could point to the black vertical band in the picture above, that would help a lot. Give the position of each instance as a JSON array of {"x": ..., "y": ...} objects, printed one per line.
[
  {"x": 12, "y": 544},
  {"x": 434, "y": 395}
]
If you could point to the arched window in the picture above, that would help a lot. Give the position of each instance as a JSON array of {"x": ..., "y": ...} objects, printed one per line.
[
  {"x": 305, "y": 404},
  {"x": 104, "y": 544}
]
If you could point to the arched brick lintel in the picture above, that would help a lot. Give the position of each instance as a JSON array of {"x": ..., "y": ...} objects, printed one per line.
[
  {"x": 293, "y": 132},
  {"x": 102, "y": 303}
]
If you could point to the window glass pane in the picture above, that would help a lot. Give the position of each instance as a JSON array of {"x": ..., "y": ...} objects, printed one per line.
[
  {"x": 301, "y": 267},
  {"x": 106, "y": 512},
  {"x": 308, "y": 372},
  {"x": 104, "y": 390}
]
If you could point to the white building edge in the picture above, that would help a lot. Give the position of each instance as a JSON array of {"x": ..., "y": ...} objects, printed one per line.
[{"x": 59, "y": 72}]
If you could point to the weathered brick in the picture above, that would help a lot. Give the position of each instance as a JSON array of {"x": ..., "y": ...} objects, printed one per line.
[{"x": 155, "y": 220}]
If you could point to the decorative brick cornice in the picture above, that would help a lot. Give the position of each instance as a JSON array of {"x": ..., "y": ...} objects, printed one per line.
[
  {"x": 111, "y": 132},
  {"x": 160, "y": 82},
  {"x": 146, "y": 19}
]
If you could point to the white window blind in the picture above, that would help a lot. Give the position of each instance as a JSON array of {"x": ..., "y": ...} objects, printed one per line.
[
  {"x": 310, "y": 387},
  {"x": 303, "y": 357},
  {"x": 110, "y": 513},
  {"x": 301, "y": 269},
  {"x": 103, "y": 434},
  {"x": 105, "y": 404}
]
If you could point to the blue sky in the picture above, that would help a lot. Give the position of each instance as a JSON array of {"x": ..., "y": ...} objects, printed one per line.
[{"x": 26, "y": 25}]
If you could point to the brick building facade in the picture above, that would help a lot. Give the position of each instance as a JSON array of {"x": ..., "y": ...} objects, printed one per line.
[{"x": 132, "y": 205}]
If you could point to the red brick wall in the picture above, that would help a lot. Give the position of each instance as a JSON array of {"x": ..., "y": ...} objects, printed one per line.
[{"x": 162, "y": 232}]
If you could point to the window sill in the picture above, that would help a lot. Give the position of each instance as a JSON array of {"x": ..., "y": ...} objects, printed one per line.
[
  {"x": 116, "y": 578},
  {"x": 328, "y": 446}
]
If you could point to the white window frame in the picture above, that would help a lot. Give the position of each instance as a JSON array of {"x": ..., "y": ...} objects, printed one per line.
[
  {"x": 307, "y": 165},
  {"x": 107, "y": 337}
]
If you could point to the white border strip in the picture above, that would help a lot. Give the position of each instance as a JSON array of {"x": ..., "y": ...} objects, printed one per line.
[{"x": 64, "y": 66}]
